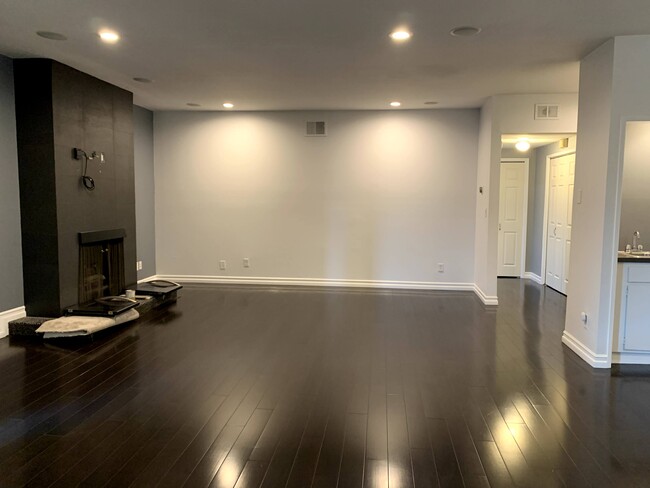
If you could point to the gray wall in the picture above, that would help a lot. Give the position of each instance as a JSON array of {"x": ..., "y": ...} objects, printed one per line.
[
  {"x": 144, "y": 190},
  {"x": 635, "y": 205},
  {"x": 11, "y": 273},
  {"x": 385, "y": 196}
]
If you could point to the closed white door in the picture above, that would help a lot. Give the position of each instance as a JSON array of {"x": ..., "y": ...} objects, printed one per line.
[
  {"x": 511, "y": 217},
  {"x": 560, "y": 214}
]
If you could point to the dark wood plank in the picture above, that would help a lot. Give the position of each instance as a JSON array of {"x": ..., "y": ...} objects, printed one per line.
[
  {"x": 252, "y": 475},
  {"x": 496, "y": 470},
  {"x": 235, "y": 462},
  {"x": 331, "y": 451},
  {"x": 209, "y": 438},
  {"x": 354, "y": 452},
  {"x": 157, "y": 467},
  {"x": 425, "y": 474},
  {"x": 466, "y": 454},
  {"x": 400, "y": 469},
  {"x": 443, "y": 451}
]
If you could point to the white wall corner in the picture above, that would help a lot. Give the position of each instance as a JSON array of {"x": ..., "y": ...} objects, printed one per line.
[
  {"x": 529, "y": 275},
  {"x": 590, "y": 357},
  {"x": 486, "y": 299},
  {"x": 9, "y": 315}
]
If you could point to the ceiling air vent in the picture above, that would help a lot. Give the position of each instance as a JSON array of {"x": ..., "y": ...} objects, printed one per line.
[
  {"x": 545, "y": 111},
  {"x": 315, "y": 129}
]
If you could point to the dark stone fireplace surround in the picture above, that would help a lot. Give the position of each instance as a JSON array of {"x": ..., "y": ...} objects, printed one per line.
[{"x": 57, "y": 109}]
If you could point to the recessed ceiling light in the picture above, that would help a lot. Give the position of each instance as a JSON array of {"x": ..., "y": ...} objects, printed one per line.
[
  {"x": 395, "y": 104},
  {"x": 228, "y": 105},
  {"x": 192, "y": 104},
  {"x": 431, "y": 103},
  {"x": 465, "y": 31},
  {"x": 522, "y": 145},
  {"x": 400, "y": 35},
  {"x": 109, "y": 37},
  {"x": 142, "y": 80},
  {"x": 52, "y": 36}
]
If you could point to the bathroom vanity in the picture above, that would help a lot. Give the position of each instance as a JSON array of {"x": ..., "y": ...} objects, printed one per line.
[{"x": 631, "y": 340}]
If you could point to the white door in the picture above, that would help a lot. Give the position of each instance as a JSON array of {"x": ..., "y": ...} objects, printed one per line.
[
  {"x": 560, "y": 214},
  {"x": 511, "y": 217}
]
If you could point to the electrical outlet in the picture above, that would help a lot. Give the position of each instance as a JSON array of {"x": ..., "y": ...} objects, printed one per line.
[
  {"x": 138, "y": 266},
  {"x": 441, "y": 267},
  {"x": 246, "y": 263},
  {"x": 222, "y": 265}
]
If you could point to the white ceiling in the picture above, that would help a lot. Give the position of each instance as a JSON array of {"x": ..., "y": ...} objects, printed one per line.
[{"x": 334, "y": 54}]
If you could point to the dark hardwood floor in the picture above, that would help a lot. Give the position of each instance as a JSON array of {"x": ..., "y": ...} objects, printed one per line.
[{"x": 260, "y": 387}]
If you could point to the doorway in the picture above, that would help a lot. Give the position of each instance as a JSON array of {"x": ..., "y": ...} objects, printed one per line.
[
  {"x": 513, "y": 211},
  {"x": 540, "y": 151}
]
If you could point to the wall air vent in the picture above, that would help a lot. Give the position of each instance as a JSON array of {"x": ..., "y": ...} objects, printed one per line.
[
  {"x": 545, "y": 111},
  {"x": 315, "y": 128}
]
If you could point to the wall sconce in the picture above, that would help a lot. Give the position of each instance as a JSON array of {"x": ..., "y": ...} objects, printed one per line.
[{"x": 80, "y": 154}]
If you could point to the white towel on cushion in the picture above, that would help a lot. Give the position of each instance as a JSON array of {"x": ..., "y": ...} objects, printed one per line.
[{"x": 77, "y": 325}]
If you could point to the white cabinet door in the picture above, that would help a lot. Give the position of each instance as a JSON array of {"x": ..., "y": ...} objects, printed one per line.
[{"x": 637, "y": 317}]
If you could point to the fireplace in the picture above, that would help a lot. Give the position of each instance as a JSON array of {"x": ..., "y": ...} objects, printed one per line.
[
  {"x": 57, "y": 109},
  {"x": 101, "y": 264}
]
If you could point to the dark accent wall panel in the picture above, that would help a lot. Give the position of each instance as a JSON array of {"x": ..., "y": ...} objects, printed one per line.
[
  {"x": 93, "y": 115},
  {"x": 38, "y": 210}
]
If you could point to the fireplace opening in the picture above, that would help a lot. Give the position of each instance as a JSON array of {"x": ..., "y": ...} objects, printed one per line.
[{"x": 101, "y": 264}]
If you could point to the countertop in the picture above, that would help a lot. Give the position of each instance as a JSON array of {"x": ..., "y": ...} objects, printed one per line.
[{"x": 624, "y": 257}]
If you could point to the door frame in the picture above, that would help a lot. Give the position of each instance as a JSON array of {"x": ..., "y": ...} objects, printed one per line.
[
  {"x": 559, "y": 154},
  {"x": 524, "y": 233}
]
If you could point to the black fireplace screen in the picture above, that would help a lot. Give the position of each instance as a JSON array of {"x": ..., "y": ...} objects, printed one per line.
[{"x": 101, "y": 270}]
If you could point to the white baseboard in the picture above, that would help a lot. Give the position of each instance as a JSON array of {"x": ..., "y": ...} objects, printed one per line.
[
  {"x": 324, "y": 282},
  {"x": 9, "y": 315},
  {"x": 589, "y": 356},
  {"x": 532, "y": 276},
  {"x": 154, "y": 277},
  {"x": 630, "y": 358},
  {"x": 486, "y": 299}
]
